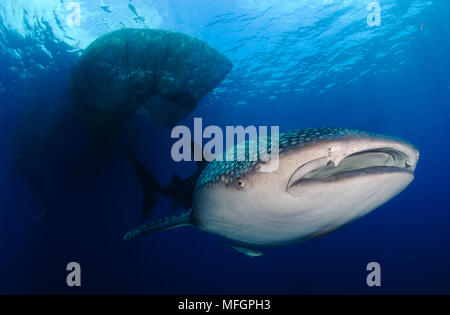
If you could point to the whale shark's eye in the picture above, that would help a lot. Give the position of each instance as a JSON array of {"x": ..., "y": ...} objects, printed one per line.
[{"x": 240, "y": 183}]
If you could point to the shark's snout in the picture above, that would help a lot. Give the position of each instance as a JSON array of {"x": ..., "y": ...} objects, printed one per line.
[{"x": 361, "y": 163}]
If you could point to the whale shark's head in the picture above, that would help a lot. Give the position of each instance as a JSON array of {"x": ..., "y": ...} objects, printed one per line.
[{"x": 326, "y": 177}]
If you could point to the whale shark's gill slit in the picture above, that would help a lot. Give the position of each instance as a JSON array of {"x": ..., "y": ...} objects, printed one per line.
[{"x": 315, "y": 170}]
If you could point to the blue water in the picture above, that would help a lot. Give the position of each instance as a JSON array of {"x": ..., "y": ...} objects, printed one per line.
[{"x": 297, "y": 64}]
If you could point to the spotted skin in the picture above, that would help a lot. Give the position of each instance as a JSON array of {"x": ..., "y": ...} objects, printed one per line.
[{"x": 230, "y": 169}]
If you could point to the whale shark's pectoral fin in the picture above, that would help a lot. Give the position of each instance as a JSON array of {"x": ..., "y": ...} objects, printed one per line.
[
  {"x": 159, "y": 225},
  {"x": 247, "y": 251}
]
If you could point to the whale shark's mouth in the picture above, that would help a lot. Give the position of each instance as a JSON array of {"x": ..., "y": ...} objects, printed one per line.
[{"x": 357, "y": 164}]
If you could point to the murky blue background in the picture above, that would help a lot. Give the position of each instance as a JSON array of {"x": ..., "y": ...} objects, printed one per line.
[{"x": 297, "y": 64}]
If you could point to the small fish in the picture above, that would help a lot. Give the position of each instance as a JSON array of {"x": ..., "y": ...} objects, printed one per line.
[{"x": 106, "y": 8}]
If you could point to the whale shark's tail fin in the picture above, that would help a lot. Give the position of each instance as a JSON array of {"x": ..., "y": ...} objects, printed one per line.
[
  {"x": 179, "y": 192},
  {"x": 150, "y": 186},
  {"x": 171, "y": 222}
]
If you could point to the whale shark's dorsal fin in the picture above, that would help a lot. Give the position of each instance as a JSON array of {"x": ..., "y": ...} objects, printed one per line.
[
  {"x": 247, "y": 251},
  {"x": 159, "y": 225}
]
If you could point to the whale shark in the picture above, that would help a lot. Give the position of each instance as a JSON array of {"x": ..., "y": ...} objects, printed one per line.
[{"x": 326, "y": 178}]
